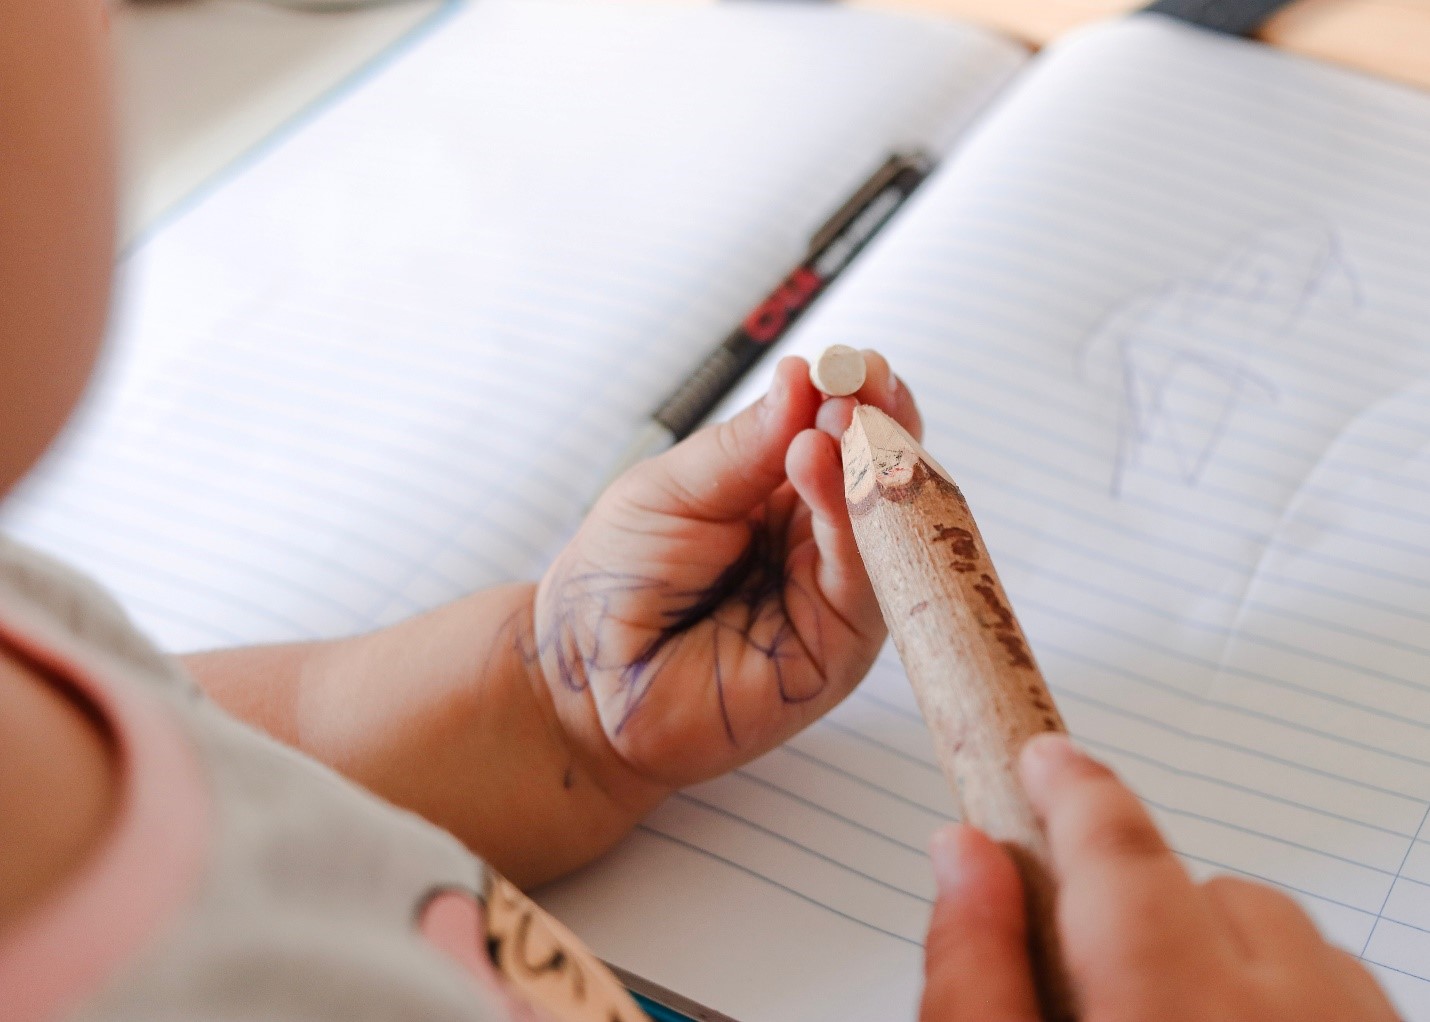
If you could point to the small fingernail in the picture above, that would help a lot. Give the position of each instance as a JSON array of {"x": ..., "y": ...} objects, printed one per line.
[
  {"x": 1050, "y": 755},
  {"x": 1048, "y": 748},
  {"x": 946, "y": 854},
  {"x": 834, "y": 416}
]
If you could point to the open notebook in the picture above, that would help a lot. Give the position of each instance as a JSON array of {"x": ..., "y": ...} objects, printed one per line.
[{"x": 1164, "y": 305}]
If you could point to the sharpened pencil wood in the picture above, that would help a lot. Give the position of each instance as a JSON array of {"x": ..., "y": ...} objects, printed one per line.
[{"x": 979, "y": 689}]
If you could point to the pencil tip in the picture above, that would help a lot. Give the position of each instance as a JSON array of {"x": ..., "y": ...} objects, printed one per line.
[{"x": 877, "y": 451}]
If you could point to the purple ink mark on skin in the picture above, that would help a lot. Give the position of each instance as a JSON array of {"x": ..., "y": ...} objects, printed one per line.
[
  {"x": 691, "y": 610},
  {"x": 720, "y": 691},
  {"x": 749, "y": 592},
  {"x": 745, "y": 599},
  {"x": 581, "y": 604}
]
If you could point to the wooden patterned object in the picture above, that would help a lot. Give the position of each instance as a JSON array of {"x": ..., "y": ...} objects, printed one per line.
[{"x": 977, "y": 684}]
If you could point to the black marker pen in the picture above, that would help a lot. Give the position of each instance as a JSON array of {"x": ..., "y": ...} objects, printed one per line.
[{"x": 832, "y": 249}]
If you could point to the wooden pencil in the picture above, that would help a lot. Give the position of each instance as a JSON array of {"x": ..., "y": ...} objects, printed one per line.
[{"x": 975, "y": 679}]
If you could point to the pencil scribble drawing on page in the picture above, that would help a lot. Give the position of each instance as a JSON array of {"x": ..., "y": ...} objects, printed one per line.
[{"x": 1180, "y": 356}]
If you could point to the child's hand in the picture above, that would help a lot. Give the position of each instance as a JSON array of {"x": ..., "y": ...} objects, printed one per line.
[
  {"x": 1142, "y": 939},
  {"x": 714, "y": 603}
]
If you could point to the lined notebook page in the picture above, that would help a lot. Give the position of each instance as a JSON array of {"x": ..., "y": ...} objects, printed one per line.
[
  {"x": 1167, "y": 318},
  {"x": 391, "y": 360}
]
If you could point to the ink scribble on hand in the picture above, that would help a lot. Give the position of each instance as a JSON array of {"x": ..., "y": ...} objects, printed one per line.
[
  {"x": 587, "y": 630},
  {"x": 713, "y": 602},
  {"x": 711, "y": 672}
]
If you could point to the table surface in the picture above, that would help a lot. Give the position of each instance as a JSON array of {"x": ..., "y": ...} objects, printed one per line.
[
  {"x": 202, "y": 81},
  {"x": 1390, "y": 38}
]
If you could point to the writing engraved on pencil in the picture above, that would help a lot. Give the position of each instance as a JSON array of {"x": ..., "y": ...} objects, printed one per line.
[
  {"x": 587, "y": 635},
  {"x": 961, "y": 544},
  {"x": 542, "y": 960},
  {"x": 1003, "y": 624},
  {"x": 1042, "y": 702},
  {"x": 1184, "y": 357}
]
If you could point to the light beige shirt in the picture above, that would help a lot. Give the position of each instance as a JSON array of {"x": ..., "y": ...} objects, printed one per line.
[{"x": 242, "y": 880}]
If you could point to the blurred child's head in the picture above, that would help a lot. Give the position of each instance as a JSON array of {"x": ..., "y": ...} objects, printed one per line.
[{"x": 56, "y": 216}]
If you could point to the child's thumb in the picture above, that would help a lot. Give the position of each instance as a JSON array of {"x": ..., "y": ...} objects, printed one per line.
[
  {"x": 976, "y": 966},
  {"x": 721, "y": 472}
]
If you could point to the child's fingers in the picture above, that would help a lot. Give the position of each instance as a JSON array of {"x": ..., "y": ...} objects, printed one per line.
[
  {"x": 835, "y": 415},
  {"x": 723, "y": 471},
  {"x": 1262, "y": 920},
  {"x": 817, "y": 474},
  {"x": 882, "y": 389},
  {"x": 1124, "y": 897},
  {"x": 906, "y": 410},
  {"x": 878, "y": 390},
  {"x": 976, "y": 956},
  {"x": 878, "y": 386}
]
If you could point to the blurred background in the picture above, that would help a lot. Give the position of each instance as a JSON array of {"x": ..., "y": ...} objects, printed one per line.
[{"x": 202, "y": 81}]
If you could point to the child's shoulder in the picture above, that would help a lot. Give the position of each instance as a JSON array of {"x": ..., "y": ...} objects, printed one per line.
[
  {"x": 230, "y": 862},
  {"x": 47, "y": 593}
]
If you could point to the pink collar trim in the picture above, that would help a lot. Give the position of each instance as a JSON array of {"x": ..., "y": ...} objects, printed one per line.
[{"x": 145, "y": 868}]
